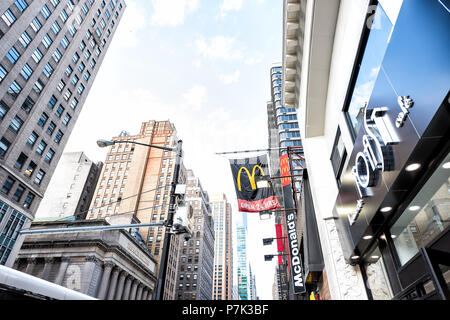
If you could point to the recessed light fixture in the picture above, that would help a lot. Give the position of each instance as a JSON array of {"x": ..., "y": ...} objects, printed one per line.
[
  {"x": 413, "y": 167},
  {"x": 414, "y": 208},
  {"x": 446, "y": 165},
  {"x": 393, "y": 236},
  {"x": 383, "y": 237},
  {"x": 367, "y": 237},
  {"x": 386, "y": 209},
  {"x": 374, "y": 257},
  {"x": 355, "y": 257}
]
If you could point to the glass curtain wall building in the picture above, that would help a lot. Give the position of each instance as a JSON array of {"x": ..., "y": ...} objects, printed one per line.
[{"x": 50, "y": 53}]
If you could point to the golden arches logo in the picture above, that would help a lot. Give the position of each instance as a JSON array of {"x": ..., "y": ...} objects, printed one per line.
[{"x": 250, "y": 177}]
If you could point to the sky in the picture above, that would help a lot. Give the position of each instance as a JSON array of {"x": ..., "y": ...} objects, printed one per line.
[{"x": 203, "y": 65}]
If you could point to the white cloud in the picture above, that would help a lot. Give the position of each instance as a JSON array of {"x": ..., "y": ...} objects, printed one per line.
[
  {"x": 229, "y": 5},
  {"x": 230, "y": 78},
  {"x": 133, "y": 20},
  {"x": 257, "y": 58},
  {"x": 171, "y": 13},
  {"x": 219, "y": 47},
  {"x": 194, "y": 98}
]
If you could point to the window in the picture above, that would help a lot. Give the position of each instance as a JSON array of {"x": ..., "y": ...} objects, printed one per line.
[
  {"x": 72, "y": 30},
  {"x": 45, "y": 11},
  {"x": 32, "y": 139},
  {"x": 75, "y": 57},
  {"x": 368, "y": 67},
  {"x": 98, "y": 32},
  {"x": 39, "y": 176},
  {"x": 38, "y": 86},
  {"x": 87, "y": 54},
  {"x": 82, "y": 45},
  {"x": 57, "y": 55},
  {"x": 13, "y": 55},
  {"x": 28, "y": 104},
  {"x": 25, "y": 39},
  {"x": 107, "y": 14},
  {"x": 54, "y": 3},
  {"x": 92, "y": 63},
  {"x": 20, "y": 161},
  {"x": 74, "y": 103},
  {"x": 65, "y": 42},
  {"x": 97, "y": 52},
  {"x": 102, "y": 23},
  {"x": 21, "y": 5},
  {"x": 63, "y": 15},
  {"x": 7, "y": 186},
  {"x": 48, "y": 70},
  {"x": 28, "y": 200},
  {"x": 47, "y": 41},
  {"x": 85, "y": 8},
  {"x": 3, "y": 109},
  {"x": 14, "y": 90},
  {"x": 51, "y": 128},
  {"x": 59, "y": 111},
  {"x": 427, "y": 215},
  {"x": 41, "y": 147},
  {"x": 66, "y": 119},
  {"x": 26, "y": 71},
  {"x": 37, "y": 55},
  {"x": 75, "y": 79},
  {"x": 69, "y": 70},
  {"x": 67, "y": 95},
  {"x": 36, "y": 24},
  {"x": 81, "y": 89},
  {"x": 61, "y": 85},
  {"x": 81, "y": 67},
  {"x": 18, "y": 193},
  {"x": 87, "y": 75},
  {"x": 49, "y": 155},
  {"x": 8, "y": 17},
  {"x": 42, "y": 120},
  {"x": 30, "y": 169},
  {"x": 58, "y": 136},
  {"x": 51, "y": 103},
  {"x": 4, "y": 146},
  {"x": 55, "y": 27}
]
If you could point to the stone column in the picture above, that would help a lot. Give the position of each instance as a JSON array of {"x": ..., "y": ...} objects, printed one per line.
[
  {"x": 139, "y": 292},
  {"x": 120, "y": 285},
  {"x": 31, "y": 265},
  {"x": 62, "y": 269},
  {"x": 105, "y": 280},
  {"x": 126, "y": 290},
  {"x": 48, "y": 265},
  {"x": 144, "y": 294},
  {"x": 113, "y": 285},
  {"x": 133, "y": 290},
  {"x": 150, "y": 294}
]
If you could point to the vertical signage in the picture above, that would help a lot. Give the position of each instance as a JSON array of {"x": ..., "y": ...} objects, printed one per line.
[
  {"x": 284, "y": 289},
  {"x": 284, "y": 169},
  {"x": 280, "y": 245},
  {"x": 294, "y": 249}
]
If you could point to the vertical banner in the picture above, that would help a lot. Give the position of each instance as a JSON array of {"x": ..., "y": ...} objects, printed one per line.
[
  {"x": 280, "y": 246},
  {"x": 254, "y": 192},
  {"x": 284, "y": 170},
  {"x": 284, "y": 289},
  {"x": 294, "y": 249}
]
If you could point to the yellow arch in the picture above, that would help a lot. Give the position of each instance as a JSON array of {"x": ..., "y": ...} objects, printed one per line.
[{"x": 250, "y": 177}]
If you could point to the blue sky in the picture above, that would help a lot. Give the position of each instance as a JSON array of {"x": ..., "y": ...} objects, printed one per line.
[{"x": 204, "y": 65}]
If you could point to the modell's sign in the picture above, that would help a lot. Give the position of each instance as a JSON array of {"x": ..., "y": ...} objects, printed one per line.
[
  {"x": 253, "y": 190},
  {"x": 294, "y": 250}
]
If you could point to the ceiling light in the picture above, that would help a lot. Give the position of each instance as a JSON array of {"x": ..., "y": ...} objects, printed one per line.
[
  {"x": 386, "y": 209},
  {"x": 383, "y": 237},
  {"x": 374, "y": 257},
  {"x": 367, "y": 237},
  {"x": 414, "y": 208},
  {"x": 355, "y": 257},
  {"x": 393, "y": 236},
  {"x": 446, "y": 165},
  {"x": 413, "y": 167}
]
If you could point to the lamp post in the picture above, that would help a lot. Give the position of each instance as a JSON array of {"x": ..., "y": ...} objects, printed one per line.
[{"x": 169, "y": 222}]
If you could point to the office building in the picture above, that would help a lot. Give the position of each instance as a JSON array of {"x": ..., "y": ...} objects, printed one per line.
[
  {"x": 104, "y": 264},
  {"x": 223, "y": 251},
  {"x": 373, "y": 118},
  {"x": 242, "y": 261},
  {"x": 135, "y": 183},
  {"x": 71, "y": 188},
  {"x": 195, "y": 266},
  {"x": 50, "y": 53}
]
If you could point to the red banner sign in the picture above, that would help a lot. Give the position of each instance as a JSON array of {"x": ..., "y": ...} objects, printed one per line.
[
  {"x": 284, "y": 167},
  {"x": 280, "y": 245}
]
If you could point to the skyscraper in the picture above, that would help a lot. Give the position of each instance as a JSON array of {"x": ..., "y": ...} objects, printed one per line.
[
  {"x": 135, "y": 183},
  {"x": 242, "y": 262},
  {"x": 223, "y": 252},
  {"x": 195, "y": 266},
  {"x": 50, "y": 53},
  {"x": 71, "y": 188}
]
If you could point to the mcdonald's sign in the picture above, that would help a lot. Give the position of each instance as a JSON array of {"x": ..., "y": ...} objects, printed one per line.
[
  {"x": 253, "y": 197},
  {"x": 284, "y": 170}
]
